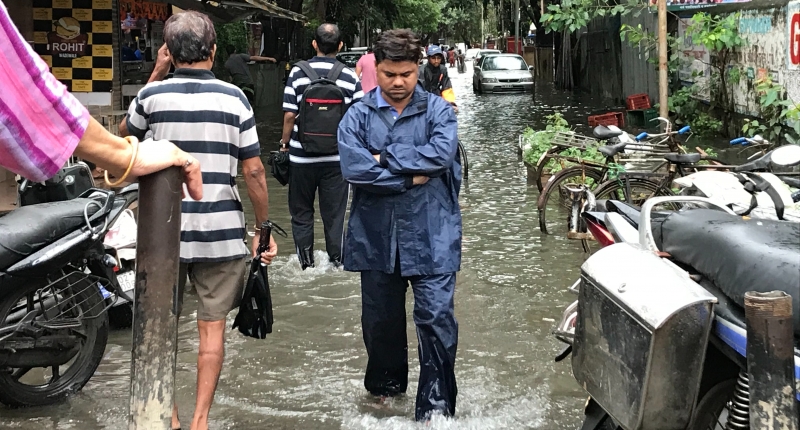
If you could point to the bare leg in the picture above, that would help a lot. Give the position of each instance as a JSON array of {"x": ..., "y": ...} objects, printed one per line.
[
  {"x": 209, "y": 365},
  {"x": 176, "y": 423}
]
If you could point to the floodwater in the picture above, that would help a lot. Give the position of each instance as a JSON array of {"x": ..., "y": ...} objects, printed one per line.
[{"x": 308, "y": 373}]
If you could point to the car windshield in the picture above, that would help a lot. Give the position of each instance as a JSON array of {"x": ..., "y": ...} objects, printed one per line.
[{"x": 504, "y": 63}]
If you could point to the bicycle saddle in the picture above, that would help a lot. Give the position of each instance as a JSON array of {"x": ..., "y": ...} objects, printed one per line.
[
  {"x": 682, "y": 158},
  {"x": 612, "y": 150},
  {"x": 604, "y": 133}
]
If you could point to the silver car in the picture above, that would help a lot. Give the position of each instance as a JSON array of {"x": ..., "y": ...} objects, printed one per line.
[{"x": 502, "y": 73}]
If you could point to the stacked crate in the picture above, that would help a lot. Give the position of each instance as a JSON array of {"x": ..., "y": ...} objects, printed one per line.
[{"x": 640, "y": 112}]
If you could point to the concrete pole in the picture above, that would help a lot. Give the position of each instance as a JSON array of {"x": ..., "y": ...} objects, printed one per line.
[
  {"x": 663, "y": 75},
  {"x": 157, "y": 303},
  {"x": 501, "y": 42},
  {"x": 483, "y": 38},
  {"x": 516, "y": 28}
]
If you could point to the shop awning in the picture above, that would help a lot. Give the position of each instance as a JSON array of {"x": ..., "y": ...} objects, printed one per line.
[{"x": 235, "y": 10}]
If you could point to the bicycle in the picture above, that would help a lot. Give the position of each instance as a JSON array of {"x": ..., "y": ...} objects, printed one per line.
[
  {"x": 592, "y": 174},
  {"x": 563, "y": 144}
]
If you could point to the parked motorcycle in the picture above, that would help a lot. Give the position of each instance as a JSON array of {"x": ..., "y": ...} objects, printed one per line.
[
  {"x": 658, "y": 335},
  {"x": 74, "y": 179},
  {"x": 55, "y": 275}
]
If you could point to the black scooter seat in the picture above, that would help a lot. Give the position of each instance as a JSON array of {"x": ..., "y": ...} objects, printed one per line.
[
  {"x": 735, "y": 254},
  {"x": 28, "y": 229},
  {"x": 682, "y": 158}
]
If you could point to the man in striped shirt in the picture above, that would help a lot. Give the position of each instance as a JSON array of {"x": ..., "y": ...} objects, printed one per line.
[
  {"x": 213, "y": 121},
  {"x": 312, "y": 172}
]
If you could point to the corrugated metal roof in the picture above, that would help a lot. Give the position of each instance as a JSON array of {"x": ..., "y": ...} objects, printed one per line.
[
  {"x": 276, "y": 11},
  {"x": 233, "y": 10}
]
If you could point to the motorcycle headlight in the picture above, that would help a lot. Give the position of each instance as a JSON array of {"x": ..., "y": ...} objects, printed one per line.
[{"x": 489, "y": 80}]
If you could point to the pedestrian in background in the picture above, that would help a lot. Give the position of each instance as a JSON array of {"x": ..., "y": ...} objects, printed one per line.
[
  {"x": 240, "y": 73},
  {"x": 213, "y": 121},
  {"x": 313, "y": 109},
  {"x": 365, "y": 69},
  {"x": 398, "y": 149}
]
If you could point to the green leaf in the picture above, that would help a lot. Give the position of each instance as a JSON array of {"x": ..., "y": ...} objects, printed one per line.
[{"x": 771, "y": 97}]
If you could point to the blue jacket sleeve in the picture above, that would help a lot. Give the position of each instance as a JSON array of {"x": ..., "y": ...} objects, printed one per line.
[
  {"x": 433, "y": 158},
  {"x": 359, "y": 166}
]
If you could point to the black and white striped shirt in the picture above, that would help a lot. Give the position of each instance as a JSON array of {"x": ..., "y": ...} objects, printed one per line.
[
  {"x": 296, "y": 84},
  {"x": 213, "y": 121}
]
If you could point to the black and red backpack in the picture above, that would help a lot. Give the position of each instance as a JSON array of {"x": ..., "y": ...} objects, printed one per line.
[{"x": 322, "y": 108}]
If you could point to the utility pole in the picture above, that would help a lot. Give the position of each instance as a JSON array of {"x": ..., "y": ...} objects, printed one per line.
[
  {"x": 483, "y": 38},
  {"x": 516, "y": 28},
  {"x": 663, "y": 77},
  {"x": 502, "y": 16},
  {"x": 155, "y": 312}
]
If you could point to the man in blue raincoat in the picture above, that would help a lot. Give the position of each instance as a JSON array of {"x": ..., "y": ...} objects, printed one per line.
[{"x": 398, "y": 149}]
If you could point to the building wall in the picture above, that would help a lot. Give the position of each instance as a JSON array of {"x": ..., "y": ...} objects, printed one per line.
[
  {"x": 21, "y": 13},
  {"x": 772, "y": 49}
]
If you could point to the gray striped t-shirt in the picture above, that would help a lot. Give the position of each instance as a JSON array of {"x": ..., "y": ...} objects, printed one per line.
[{"x": 213, "y": 121}]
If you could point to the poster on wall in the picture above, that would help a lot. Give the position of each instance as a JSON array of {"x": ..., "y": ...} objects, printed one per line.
[
  {"x": 793, "y": 33},
  {"x": 74, "y": 38},
  {"x": 677, "y": 5}
]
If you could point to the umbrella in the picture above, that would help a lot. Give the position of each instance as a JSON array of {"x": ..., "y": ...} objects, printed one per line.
[
  {"x": 279, "y": 163},
  {"x": 255, "y": 310}
]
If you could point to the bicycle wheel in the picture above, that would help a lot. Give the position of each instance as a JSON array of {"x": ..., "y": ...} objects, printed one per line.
[
  {"x": 543, "y": 172},
  {"x": 462, "y": 153},
  {"x": 640, "y": 189},
  {"x": 553, "y": 202}
]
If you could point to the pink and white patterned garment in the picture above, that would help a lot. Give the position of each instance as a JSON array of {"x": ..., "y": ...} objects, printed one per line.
[{"x": 40, "y": 121}]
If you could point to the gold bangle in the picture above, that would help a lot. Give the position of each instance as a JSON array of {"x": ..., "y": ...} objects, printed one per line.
[{"x": 135, "y": 150}]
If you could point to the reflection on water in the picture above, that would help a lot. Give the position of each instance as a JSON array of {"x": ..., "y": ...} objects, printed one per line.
[{"x": 308, "y": 373}]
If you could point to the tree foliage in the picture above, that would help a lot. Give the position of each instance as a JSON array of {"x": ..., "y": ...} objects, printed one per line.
[{"x": 571, "y": 15}]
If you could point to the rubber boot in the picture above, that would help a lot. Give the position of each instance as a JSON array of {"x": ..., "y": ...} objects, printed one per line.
[{"x": 306, "y": 256}]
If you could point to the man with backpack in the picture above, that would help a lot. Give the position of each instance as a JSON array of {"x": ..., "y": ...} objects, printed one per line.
[{"x": 317, "y": 95}]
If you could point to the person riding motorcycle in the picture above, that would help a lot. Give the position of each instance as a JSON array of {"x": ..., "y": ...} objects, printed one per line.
[{"x": 433, "y": 76}]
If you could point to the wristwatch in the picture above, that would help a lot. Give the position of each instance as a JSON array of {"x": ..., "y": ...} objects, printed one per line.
[{"x": 284, "y": 145}]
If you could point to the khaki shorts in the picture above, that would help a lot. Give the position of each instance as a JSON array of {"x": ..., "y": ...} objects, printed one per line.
[{"x": 219, "y": 286}]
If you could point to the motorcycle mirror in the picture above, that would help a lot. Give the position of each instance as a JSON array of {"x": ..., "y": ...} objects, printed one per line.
[{"x": 787, "y": 155}]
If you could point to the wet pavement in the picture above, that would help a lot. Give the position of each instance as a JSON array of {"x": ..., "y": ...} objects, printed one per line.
[{"x": 308, "y": 373}]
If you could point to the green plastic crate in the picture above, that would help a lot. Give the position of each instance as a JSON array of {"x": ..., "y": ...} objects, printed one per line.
[{"x": 643, "y": 117}]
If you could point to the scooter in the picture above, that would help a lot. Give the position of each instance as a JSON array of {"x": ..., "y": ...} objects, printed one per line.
[
  {"x": 57, "y": 281},
  {"x": 71, "y": 181},
  {"x": 658, "y": 334}
]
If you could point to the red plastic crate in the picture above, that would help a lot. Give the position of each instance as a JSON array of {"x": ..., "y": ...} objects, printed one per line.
[
  {"x": 638, "y": 101},
  {"x": 611, "y": 118}
]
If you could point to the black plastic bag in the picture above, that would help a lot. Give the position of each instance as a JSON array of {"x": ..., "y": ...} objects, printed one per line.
[
  {"x": 279, "y": 166},
  {"x": 255, "y": 310}
]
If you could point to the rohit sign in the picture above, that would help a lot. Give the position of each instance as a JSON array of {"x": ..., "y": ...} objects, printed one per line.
[{"x": 793, "y": 45}]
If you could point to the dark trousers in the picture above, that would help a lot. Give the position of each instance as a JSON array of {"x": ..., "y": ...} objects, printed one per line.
[
  {"x": 383, "y": 320},
  {"x": 304, "y": 181}
]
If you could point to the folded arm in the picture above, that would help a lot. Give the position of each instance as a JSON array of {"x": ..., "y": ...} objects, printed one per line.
[
  {"x": 431, "y": 159},
  {"x": 359, "y": 166}
]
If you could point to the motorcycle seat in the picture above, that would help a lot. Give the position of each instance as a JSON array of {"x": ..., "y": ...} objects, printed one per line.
[
  {"x": 737, "y": 255},
  {"x": 28, "y": 229},
  {"x": 682, "y": 158}
]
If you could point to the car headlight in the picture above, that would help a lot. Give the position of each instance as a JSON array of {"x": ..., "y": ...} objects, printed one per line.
[
  {"x": 526, "y": 80},
  {"x": 489, "y": 80}
]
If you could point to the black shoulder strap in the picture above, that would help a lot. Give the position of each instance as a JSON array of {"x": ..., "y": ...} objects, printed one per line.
[
  {"x": 309, "y": 71},
  {"x": 337, "y": 70}
]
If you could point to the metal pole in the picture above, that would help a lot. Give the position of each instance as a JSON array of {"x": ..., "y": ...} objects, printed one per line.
[
  {"x": 516, "y": 28},
  {"x": 770, "y": 360},
  {"x": 502, "y": 15},
  {"x": 157, "y": 303},
  {"x": 483, "y": 39},
  {"x": 663, "y": 77}
]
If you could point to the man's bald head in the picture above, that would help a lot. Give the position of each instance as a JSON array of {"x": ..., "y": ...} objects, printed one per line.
[{"x": 328, "y": 39}]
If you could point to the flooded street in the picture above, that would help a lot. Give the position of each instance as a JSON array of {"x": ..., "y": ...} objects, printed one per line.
[{"x": 309, "y": 373}]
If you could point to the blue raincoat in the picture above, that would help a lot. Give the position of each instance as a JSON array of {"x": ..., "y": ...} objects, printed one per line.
[{"x": 388, "y": 213}]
